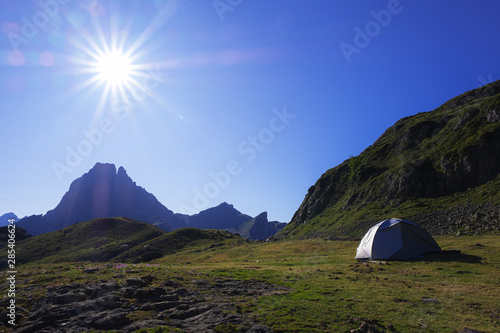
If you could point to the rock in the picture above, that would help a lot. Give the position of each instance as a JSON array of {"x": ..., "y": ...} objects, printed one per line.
[
  {"x": 69, "y": 298},
  {"x": 128, "y": 292},
  {"x": 429, "y": 300},
  {"x": 173, "y": 297},
  {"x": 162, "y": 306},
  {"x": 144, "y": 324},
  {"x": 148, "y": 278},
  {"x": 150, "y": 294},
  {"x": 493, "y": 115},
  {"x": 190, "y": 312},
  {"x": 109, "y": 302},
  {"x": 147, "y": 307},
  {"x": 97, "y": 290},
  {"x": 136, "y": 282},
  {"x": 259, "y": 329},
  {"x": 170, "y": 283},
  {"x": 124, "y": 247},
  {"x": 201, "y": 283},
  {"x": 113, "y": 319},
  {"x": 182, "y": 292},
  {"x": 47, "y": 315}
]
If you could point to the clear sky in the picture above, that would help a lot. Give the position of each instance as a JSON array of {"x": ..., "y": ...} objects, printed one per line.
[{"x": 243, "y": 101}]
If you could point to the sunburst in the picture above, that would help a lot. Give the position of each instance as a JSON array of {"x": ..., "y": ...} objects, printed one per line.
[{"x": 114, "y": 65}]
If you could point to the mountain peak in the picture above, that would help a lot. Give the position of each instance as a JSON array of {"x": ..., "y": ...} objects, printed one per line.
[
  {"x": 4, "y": 219},
  {"x": 262, "y": 217},
  {"x": 103, "y": 167},
  {"x": 121, "y": 171},
  {"x": 103, "y": 192},
  {"x": 108, "y": 168}
]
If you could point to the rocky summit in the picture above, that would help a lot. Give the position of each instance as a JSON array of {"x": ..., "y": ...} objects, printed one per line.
[
  {"x": 102, "y": 192},
  {"x": 439, "y": 169}
]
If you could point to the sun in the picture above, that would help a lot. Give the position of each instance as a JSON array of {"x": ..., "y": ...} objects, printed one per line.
[
  {"x": 114, "y": 69},
  {"x": 118, "y": 71}
]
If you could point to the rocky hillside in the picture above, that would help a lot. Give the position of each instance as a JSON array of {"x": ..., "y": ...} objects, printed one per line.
[{"x": 439, "y": 169}]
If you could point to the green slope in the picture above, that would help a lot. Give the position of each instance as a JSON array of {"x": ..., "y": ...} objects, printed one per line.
[
  {"x": 95, "y": 240},
  {"x": 446, "y": 160},
  {"x": 113, "y": 239},
  {"x": 185, "y": 239}
]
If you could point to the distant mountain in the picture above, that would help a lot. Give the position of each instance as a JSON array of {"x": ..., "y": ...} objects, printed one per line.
[
  {"x": 4, "y": 219},
  {"x": 439, "y": 169},
  {"x": 107, "y": 192},
  {"x": 258, "y": 227},
  {"x": 102, "y": 192},
  {"x": 226, "y": 217},
  {"x": 223, "y": 216}
]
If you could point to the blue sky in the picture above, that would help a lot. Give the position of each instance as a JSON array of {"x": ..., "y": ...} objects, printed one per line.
[{"x": 247, "y": 102}]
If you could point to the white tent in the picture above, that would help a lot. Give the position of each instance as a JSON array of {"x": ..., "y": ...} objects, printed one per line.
[{"x": 395, "y": 239}]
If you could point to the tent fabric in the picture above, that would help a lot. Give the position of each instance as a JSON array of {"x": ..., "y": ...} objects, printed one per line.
[{"x": 395, "y": 239}]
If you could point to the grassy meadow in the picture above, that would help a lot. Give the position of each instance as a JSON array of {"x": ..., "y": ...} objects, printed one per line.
[{"x": 325, "y": 289}]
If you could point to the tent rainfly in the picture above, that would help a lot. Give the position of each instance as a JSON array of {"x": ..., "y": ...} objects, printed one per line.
[{"x": 396, "y": 239}]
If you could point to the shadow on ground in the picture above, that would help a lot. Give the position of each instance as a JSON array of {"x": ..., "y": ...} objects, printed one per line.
[{"x": 449, "y": 256}]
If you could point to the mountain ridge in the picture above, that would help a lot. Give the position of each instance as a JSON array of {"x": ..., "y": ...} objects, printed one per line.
[{"x": 105, "y": 191}]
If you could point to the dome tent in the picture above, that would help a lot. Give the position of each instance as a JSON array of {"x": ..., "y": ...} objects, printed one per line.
[{"x": 395, "y": 239}]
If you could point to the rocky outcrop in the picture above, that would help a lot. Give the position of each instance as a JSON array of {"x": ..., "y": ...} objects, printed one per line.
[{"x": 199, "y": 305}]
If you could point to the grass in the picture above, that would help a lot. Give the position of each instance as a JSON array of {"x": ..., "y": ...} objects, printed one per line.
[{"x": 328, "y": 290}]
